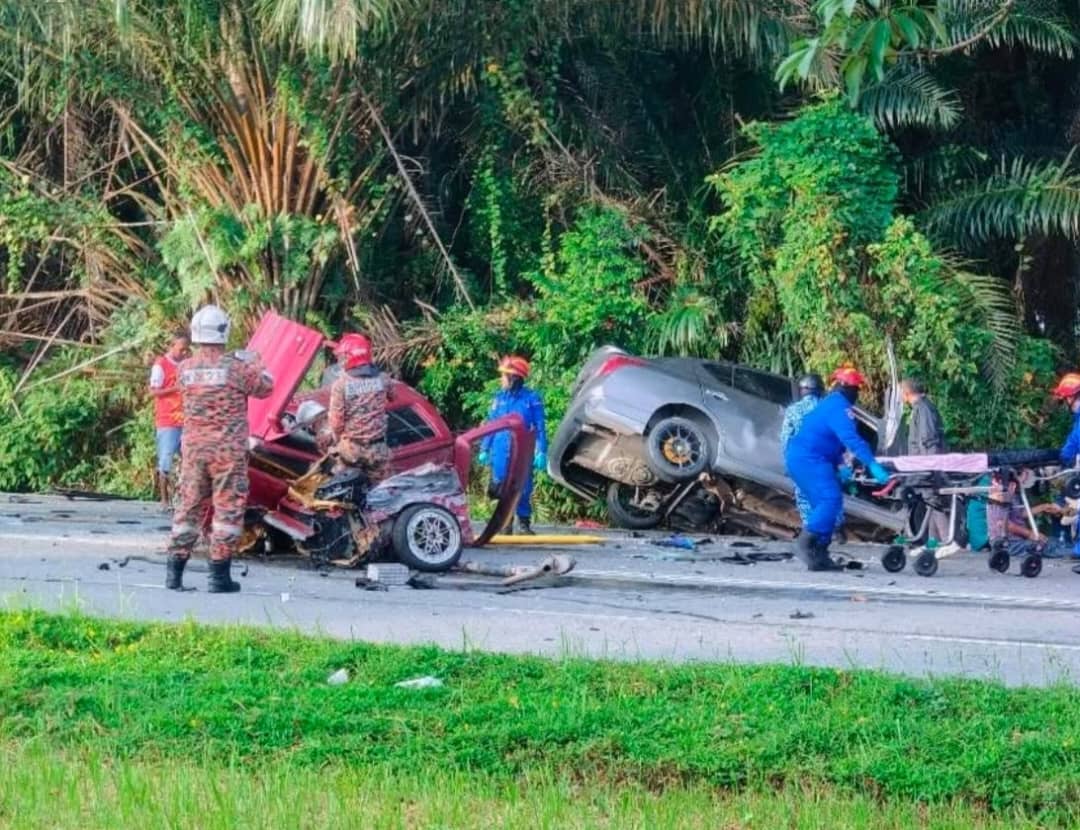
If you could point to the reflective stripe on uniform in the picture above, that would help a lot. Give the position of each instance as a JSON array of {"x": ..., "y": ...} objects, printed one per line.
[
  {"x": 227, "y": 529},
  {"x": 205, "y": 376}
]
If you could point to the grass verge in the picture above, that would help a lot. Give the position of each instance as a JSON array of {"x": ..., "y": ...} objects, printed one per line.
[{"x": 194, "y": 708}]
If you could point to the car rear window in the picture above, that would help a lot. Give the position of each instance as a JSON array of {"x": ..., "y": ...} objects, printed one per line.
[
  {"x": 763, "y": 385},
  {"x": 406, "y": 426}
]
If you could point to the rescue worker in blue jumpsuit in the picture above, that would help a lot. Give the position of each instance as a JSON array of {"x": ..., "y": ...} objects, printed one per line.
[
  {"x": 813, "y": 458},
  {"x": 1068, "y": 390},
  {"x": 516, "y": 397}
]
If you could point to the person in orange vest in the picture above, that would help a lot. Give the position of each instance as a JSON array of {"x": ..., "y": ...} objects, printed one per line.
[{"x": 168, "y": 410}]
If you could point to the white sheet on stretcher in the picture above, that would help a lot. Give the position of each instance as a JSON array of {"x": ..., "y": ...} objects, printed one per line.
[{"x": 952, "y": 462}]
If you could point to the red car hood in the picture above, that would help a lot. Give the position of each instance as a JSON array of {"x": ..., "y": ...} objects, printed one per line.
[{"x": 288, "y": 350}]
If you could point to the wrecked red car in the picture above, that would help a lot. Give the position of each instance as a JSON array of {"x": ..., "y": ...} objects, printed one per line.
[{"x": 419, "y": 515}]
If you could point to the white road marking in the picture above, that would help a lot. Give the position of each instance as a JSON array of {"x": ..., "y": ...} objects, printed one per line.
[{"x": 832, "y": 587}]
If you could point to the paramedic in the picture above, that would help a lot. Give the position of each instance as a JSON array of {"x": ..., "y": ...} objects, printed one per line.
[
  {"x": 811, "y": 388},
  {"x": 515, "y": 397},
  {"x": 1068, "y": 390},
  {"x": 812, "y": 458}
]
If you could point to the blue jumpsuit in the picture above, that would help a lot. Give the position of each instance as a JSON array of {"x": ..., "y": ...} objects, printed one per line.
[
  {"x": 1068, "y": 459},
  {"x": 814, "y": 453},
  {"x": 793, "y": 418},
  {"x": 1072, "y": 444},
  {"x": 526, "y": 403}
]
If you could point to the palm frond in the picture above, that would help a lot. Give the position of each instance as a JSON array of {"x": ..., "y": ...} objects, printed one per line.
[
  {"x": 1037, "y": 25},
  {"x": 692, "y": 325},
  {"x": 1020, "y": 198},
  {"x": 327, "y": 28},
  {"x": 910, "y": 98},
  {"x": 997, "y": 309}
]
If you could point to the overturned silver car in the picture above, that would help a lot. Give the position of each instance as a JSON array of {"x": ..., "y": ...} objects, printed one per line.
[{"x": 696, "y": 443}]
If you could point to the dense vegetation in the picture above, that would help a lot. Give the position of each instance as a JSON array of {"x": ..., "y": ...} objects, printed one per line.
[
  {"x": 169, "y": 707},
  {"x": 789, "y": 183}
]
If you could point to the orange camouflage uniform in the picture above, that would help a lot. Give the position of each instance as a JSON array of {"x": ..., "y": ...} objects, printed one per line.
[
  {"x": 215, "y": 389},
  {"x": 357, "y": 417}
]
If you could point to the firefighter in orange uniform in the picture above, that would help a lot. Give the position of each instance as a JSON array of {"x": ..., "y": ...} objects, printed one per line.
[{"x": 215, "y": 389}]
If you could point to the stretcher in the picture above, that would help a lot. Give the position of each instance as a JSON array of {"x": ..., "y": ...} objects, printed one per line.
[{"x": 946, "y": 483}]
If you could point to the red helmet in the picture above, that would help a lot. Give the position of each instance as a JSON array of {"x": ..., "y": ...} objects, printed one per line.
[
  {"x": 514, "y": 365},
  {"x": 1068, "y": 387},
  {"x": 848, "y": 376},
  {"x": 354, "y": 350}
]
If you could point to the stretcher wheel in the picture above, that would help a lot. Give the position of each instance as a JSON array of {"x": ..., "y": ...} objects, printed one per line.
[
  {"x": 999, "y": 561},
  {"x": 926, "y": 564},
  {"x": 894, "y": 560},
  {"x": 1031, "y": 567}
]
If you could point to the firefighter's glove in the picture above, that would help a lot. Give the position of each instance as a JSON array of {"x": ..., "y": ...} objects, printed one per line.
[
  {"x": 484, "y": 458},
  {"x": 845, "y": 474},
  {"x": 539, "y": 461}
]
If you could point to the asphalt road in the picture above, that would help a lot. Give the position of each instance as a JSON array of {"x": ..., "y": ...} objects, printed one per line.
[{"x": 628, "y": 598}]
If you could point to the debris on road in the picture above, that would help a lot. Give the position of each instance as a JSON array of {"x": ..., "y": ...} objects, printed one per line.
[
  {"x": 676, "y": 541},
  {"x": 427, "y": 682},
  {"x": 554, "y": 565},
  {"x": 104, "y": 566},
  {"x": 338, "y": 678},
  {"x": 389, "y": 573},
  {"x": 801, "y": 615}
]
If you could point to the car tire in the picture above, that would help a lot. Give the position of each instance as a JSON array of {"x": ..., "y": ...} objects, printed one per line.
[
  {"x": 427, "y": 538},
  {"x": 626, "y": 516},
  {"x": 677, "y": 449}
]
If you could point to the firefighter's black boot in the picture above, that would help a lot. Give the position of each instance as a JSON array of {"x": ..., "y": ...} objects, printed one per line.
[
  {"x": 804, "y": 547},
  {"x": 220, "y": 582},
  {"x": 174, "y": 573},
  {"x": 525, "y": 527},
  {"x": 821, "y": 560}
]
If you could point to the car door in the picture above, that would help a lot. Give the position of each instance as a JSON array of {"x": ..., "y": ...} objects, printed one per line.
[{"x": 748, "y": 407}]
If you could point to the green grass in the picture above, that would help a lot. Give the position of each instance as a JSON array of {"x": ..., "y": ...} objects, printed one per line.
[
  {"x": 509, "y": 741},
  {"x": 40, "y": 788}
]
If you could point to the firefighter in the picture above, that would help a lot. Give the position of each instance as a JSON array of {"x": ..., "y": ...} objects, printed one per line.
[
  {"x": 813, "y": 458},
  {"x": 357, "y": 415},
  {"x": 215, "y": 389},
  {"x": 515, "y": 397},
  {"x": 1068, "y": 390}
]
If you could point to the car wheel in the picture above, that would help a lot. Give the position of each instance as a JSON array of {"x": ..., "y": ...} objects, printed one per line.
[
  {"x": 427, "y": 537},
  {"x": 622, "y": 511},
  {"x": 677, "y": 449}
]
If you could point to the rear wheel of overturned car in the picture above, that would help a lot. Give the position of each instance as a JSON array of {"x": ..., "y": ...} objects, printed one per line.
[
  {"x": 428, "y": 538},
  {"x": 677, "y": 449},
  {"x": 623, "y": 511}
]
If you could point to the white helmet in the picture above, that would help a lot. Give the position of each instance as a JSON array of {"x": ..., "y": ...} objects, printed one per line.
[
  {"x": 210, "y": 326},
  {"x": 308, "y": 412}
]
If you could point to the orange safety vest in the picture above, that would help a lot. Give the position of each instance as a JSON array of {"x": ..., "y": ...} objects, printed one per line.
[{"x": 168, "y": 409}]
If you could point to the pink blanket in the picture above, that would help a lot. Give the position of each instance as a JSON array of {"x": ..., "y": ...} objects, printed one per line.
[{"x": 953, "y": 462}]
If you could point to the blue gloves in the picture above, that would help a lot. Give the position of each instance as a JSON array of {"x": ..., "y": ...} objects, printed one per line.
[
  {"x": 880, "y": 474},
  {"x": 845, "y": 474},
  {"x": 540, "y": 461},
  {"x": 483, "y": 459}
]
